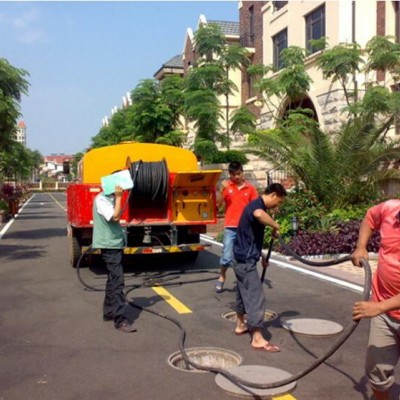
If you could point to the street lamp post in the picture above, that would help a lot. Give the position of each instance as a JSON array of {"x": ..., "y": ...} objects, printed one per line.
[{"x": 295, "y": 225}]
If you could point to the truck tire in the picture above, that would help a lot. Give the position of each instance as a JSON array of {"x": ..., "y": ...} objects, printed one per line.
[{"x": 74, "y": 251}]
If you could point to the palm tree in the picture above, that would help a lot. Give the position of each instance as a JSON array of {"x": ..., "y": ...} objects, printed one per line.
[{"x": 347, "y": 169}]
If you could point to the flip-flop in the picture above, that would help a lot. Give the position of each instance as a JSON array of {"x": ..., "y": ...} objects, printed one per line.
[
  {"x": 269, "y": 347},
  {"x": 241, "y": 333},
  {"x": 219, "y": 286}
]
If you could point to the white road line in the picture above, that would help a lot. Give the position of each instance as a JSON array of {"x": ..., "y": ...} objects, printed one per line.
[
  {"x": 305, "y": 271},
  {"x": 9, "y": 223}
]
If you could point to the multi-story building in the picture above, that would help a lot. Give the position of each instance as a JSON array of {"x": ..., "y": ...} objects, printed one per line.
[
  {"x": 181, "y": 64},
  {"x": 56, "y": 166},
  {"x": 251, "y": 37},
  {"x": 271, "y": 26},
  {"x": 20, "y": 134},
  {"x": 174, "y": 66}
]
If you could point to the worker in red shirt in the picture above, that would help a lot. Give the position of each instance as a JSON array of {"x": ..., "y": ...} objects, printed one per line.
[
  {"x": 235, "y": 193},
  {"x": 383, "y": 352}
]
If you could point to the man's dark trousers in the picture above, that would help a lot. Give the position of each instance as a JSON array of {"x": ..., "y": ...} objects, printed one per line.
[
  {"x": 114, "y": 300},
  {"x": 250, "y": 298}
]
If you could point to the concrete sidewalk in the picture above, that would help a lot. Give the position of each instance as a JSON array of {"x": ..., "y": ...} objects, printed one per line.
[{"x": 346, "y": 270}]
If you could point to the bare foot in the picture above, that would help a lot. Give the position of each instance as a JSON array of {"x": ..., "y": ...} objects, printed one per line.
[{"x": 269, "y": 347}]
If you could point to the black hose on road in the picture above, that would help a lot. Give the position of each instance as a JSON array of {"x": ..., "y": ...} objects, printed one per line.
[
  {"x": 149, "y": 282},
  {"x": 234, "y": 378}
]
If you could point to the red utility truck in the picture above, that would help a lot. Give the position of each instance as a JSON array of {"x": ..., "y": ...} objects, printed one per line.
[{"x": 170, "y": 205}]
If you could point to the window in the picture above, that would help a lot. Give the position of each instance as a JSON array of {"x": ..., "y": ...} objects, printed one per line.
[
  {"x": 250, "y": 85},
  {"x": 315, "y": 27},
  {"x": 247, "y": 39},
  {"x": 279, "y": 43},
  {"x": 252, "y": 23},
  {"x": 279, "y": 4}
]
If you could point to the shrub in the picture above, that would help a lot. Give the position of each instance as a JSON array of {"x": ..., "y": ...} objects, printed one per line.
[
  {"x": 7, "y": 191},
  {"x": 342, "y": 240},
  {"x": 4, "y": 205},
  {"x": 228, "y": 156},
  {"x": 220, "y": 237}
]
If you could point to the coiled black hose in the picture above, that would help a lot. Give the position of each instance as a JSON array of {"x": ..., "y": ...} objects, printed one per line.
[{"x": 150, "y": 183}]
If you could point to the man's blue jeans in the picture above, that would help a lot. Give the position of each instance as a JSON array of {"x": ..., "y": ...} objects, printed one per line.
[{"x": 227, "y": 247}]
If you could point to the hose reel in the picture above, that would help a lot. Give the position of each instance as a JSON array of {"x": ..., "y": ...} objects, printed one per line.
[{"x": 150, "y": 183}]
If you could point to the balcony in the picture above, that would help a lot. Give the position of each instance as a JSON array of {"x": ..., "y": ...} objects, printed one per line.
[
  {"x": 247, "y": 40},
  {"x": 279, "y": 4}
]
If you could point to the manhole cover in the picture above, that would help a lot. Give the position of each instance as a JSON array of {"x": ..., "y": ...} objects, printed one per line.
[
  {"x": 312, "y": 326},
  {"x": 269, "y": 316},
  {"x": 255, "y": 374},
  {"x": 206, "y": 357}
]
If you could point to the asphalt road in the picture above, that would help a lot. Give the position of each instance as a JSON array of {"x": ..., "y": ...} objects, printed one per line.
[{"x": 55, "y": 346}]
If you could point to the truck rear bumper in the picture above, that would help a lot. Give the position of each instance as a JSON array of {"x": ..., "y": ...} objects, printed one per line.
[{"x": 158, "y": 249}]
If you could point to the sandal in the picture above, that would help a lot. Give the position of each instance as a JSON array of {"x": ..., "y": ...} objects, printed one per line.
[{"x": 219, "y": 286}]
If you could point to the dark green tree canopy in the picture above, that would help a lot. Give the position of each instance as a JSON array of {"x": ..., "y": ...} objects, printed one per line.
[{"x": 13, "y": 84}]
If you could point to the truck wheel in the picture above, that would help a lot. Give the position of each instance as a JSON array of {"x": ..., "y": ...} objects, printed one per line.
[{"x": 74, "y": 251}]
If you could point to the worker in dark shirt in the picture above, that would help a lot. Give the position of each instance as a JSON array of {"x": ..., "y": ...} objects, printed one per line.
[{"x": 247, "y": 250}]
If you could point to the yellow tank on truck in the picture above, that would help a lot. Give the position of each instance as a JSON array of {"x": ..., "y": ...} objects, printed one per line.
[{"x": 103, "y": 160}]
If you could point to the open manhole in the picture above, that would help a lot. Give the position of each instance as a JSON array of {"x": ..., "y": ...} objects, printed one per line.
[
  {"x": 206, "y": 357},
  {"x": 269, "y": 316}
]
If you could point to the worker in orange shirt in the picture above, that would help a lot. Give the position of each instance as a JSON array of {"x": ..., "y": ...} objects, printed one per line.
[{"x": 235, "y": 193}]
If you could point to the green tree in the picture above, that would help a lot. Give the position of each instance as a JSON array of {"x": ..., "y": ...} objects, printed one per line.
[
  {"x": 243, "y": 121},
  {"x": 340, "y": 64},
  {"x": 291, "y": 84},
  {"x": 74, "y": 164},
  {"x": 16, "y": 163},
  {"x": 13, "y": 84},
  {"x": 210, "y": 78},
  {"x": 118, "y": 129},
  {"x": 149, "y": 116},
  {"x": 35, "y": 160},
  {"x": 171, "y": 94},
  {"x": 153, "y": 117}
]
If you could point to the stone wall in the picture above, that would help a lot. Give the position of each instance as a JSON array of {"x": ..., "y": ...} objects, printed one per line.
[{"x": 330, "y": 104}]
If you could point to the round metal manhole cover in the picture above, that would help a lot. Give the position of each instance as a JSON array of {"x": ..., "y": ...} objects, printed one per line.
[
  {"x": 257, "y": 374},
  {"x": 312, "y": 326},
  {"x": 269, "y": 316},
  {"x": 205, "y": 357}
]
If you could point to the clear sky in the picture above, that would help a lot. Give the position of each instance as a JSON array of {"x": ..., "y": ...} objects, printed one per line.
[{"x": 83, "y": 57}]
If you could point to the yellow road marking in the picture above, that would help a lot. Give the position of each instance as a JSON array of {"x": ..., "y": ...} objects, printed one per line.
[
  {"x": 284, "y": 397},
  {"x": 171, "y": 300},
  {"x": 57, "y": 202}
]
